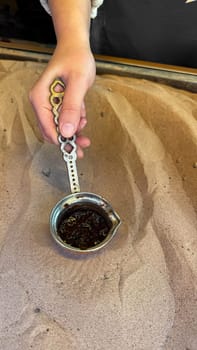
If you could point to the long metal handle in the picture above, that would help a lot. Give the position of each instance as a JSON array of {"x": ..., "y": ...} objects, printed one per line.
[{"x": 67, "y": 145}]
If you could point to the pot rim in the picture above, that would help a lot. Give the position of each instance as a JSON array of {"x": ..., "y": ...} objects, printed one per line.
[{"x": 84, "y": 198}]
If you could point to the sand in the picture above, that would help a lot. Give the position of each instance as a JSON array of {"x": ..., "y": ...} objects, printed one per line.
[{"x": 140, "y": 291}]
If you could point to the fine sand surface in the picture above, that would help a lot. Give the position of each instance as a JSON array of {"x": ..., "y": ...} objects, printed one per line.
[{"x": 140, "y": 292}]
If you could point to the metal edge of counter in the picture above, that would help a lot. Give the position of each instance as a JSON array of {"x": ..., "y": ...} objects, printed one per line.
[{"x": 180, "y": 77}]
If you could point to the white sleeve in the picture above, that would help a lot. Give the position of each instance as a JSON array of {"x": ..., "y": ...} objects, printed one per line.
[{"x": 95, "y": 5}]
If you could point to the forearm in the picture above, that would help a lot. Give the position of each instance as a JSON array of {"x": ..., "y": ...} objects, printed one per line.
[{"x": 71, "y": 21}]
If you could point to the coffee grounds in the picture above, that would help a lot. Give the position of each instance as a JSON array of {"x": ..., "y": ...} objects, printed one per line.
[{"x": 83, "y": 227}]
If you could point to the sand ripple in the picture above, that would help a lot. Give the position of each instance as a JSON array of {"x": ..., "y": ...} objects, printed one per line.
[{"x": 139, "y": 293}]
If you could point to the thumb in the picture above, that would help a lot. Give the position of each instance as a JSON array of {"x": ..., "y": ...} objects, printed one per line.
[{"x": 70, "y": 113}]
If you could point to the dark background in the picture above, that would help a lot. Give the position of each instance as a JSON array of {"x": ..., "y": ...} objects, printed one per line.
[
  {"x": 25, "y": 20},
  {"x": 175, "y": 43}
]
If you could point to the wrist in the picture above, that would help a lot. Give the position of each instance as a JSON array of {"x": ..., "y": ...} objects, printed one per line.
[{"x": 71, "y": 39}]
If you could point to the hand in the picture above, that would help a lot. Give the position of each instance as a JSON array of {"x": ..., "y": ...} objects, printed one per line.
[{"x": 76, "y": 68}]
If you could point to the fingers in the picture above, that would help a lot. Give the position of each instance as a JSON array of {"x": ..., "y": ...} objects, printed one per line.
[
  {"x": 83, "y": 110},
  {"x": 73, "y": 108},
  {"x": 73, "y": 111},
  {"x": 43, "y": 110},
  {"x": 82, "y": 142},
  {"x": 82, "y": 124},
  {"x": 40, "y": 101}
]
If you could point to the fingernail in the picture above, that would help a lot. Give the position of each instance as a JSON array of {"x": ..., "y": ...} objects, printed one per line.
[{"x": 67, "y": 130}]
